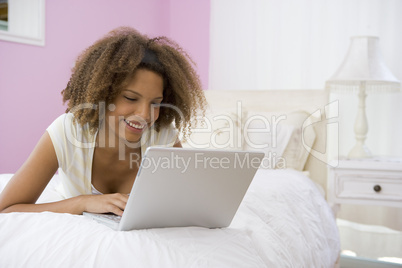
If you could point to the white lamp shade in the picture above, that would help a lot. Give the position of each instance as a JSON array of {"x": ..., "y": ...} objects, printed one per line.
[{"x": 363, "y": 62}]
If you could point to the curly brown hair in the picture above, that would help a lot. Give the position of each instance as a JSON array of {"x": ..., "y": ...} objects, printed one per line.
[{"x": 102, "y": 70}]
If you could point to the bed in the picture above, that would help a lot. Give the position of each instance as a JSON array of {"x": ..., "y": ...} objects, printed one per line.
[{"x": 283, "y": 221}]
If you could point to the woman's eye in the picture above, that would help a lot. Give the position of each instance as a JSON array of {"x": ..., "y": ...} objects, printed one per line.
[{"x": 130, "y": 99}]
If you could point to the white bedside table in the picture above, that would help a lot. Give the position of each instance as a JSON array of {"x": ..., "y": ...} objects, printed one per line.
[{"x": 374, "y": 181}]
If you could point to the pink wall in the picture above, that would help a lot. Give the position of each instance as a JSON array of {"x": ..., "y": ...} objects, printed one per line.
[
  {"x": 189, "y": 26},
  {"x": 32, "y": 77}
]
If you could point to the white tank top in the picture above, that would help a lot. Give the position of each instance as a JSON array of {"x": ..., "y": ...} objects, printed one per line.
[{"x": 74, "y": 146}]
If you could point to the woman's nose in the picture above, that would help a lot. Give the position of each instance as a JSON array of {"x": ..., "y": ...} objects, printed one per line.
[{"x": 145, "y": 112}]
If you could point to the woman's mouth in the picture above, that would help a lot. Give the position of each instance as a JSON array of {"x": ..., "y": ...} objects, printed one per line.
[{"x": 135, "y": 125}]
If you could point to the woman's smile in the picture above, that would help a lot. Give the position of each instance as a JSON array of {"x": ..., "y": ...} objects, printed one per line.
[{"x": 135, "y": 126}]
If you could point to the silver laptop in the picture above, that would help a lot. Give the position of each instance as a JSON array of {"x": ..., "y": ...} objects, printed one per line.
[{"x": 177, "y": 187}]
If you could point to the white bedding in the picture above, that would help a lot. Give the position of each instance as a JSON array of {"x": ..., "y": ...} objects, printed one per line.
[{"x": 283, "y": 221}]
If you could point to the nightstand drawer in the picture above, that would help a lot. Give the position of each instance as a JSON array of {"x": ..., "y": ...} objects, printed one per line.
[{"x": 368, "y": 187}]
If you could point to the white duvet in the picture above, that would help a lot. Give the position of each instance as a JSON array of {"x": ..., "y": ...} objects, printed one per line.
[{"x": 283, "y": 221}]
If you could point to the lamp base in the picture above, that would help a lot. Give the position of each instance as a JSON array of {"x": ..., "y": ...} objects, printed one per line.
[
  {"x": 361, "y": 127},
  {"x": 360, "y": 151}
]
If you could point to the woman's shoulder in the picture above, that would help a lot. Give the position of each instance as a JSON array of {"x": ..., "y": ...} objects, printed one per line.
[
  {"x": 59, "y": 122},
  {"x": 67, "y": 127},
  {"x": 62, "y": 122}
]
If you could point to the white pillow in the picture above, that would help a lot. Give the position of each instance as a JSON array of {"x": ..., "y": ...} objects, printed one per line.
[
  {"x": 296, "y": 153},
  {"x": 219, "y": 129},
  {"x": 266, "y": 132},
  {"x": 284, "y": 140},
  {"x": 233, "y": 130}
]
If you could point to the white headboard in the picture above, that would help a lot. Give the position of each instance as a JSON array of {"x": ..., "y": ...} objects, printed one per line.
[{"x": 283, "y": 101}]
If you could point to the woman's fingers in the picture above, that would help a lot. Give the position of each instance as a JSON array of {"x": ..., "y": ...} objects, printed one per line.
[
  {"x": 116, "y": 210},
  {"x": 118, "y": 204},
  {"x": 115, "y": 203}
]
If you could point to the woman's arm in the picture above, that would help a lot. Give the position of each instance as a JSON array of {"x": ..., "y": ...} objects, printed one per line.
[{"x": 30, "y": 180}]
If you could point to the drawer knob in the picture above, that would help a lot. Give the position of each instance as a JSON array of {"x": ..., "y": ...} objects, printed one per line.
[{"x": 377, "y": 188}]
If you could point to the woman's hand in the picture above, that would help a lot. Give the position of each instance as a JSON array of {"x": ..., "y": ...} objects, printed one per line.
[{"x": 105, "y": 203}]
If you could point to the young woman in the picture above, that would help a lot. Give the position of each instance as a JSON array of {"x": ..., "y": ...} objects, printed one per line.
[{"x": 127, "y": 92}]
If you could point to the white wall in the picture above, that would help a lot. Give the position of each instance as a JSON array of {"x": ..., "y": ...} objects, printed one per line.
[{"x": 299, "y": 44}]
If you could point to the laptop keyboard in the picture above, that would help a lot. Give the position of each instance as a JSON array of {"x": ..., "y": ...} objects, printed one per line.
[{"x": 112, "y": 217}]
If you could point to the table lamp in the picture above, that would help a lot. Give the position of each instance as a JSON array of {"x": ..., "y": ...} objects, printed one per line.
[{"x": 362, "y": 71}]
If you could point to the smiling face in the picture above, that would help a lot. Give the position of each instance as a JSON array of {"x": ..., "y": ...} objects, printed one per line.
[{"x": 136, "y": 107}]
